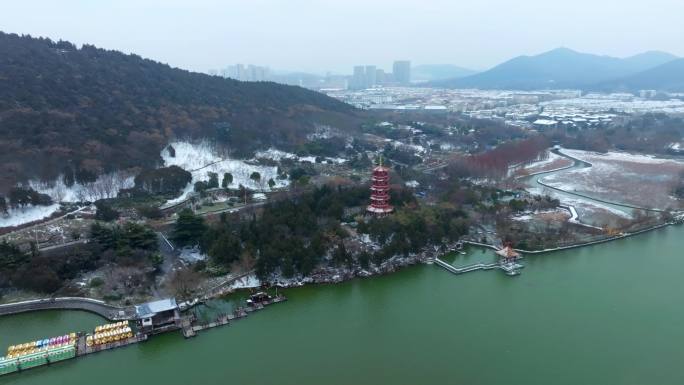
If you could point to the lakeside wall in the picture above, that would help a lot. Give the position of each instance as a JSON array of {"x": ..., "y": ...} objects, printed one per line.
[{"x": 109, "y": 312}]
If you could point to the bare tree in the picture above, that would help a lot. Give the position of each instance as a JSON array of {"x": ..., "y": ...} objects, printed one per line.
[{"x": 184, "y": 282}]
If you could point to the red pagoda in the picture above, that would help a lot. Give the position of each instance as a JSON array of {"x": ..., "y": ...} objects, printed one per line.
[{"x": 380, "y": 191}]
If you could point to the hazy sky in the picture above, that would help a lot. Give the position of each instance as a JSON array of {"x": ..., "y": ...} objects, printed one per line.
[{"x": 334, "y": 35}]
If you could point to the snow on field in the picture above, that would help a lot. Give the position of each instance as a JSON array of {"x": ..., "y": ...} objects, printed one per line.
[
  {"x": 411, "y": 147},
  {"x": 529, "y": 216},
  {"x": 277, "y": 155},
  {"x": 106, "y": 186},
  {"x": 636, "y": 179},
  {"x": 203, "y": 158},
  {"x": 523, "y": 218},
  {"x": 183, "y": 196},
  {"x": 571, "y": 181},
  {"x": 591, "y": 207},
  {"x": 590, "y": 157},
  {"x": 190, "y": 156},
  {"x": 21, "y": 215}
]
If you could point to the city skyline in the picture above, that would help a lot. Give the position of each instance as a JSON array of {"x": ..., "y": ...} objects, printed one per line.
[{"x": 333, "y": 36}]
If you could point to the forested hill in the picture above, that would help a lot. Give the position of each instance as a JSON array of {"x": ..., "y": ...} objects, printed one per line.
[
  {"x": 559, "y": 68},
  {"x": 91, "y": 110}
]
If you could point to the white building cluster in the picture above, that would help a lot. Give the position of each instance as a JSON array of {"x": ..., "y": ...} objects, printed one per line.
[{"x": 526, "y": 109}]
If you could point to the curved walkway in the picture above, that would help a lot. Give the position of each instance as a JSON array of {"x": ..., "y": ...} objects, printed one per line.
[
  {"x": 589, "y": 164},
  {"x": 600, "y": 200},
  {"x": 68, "y": 303}
]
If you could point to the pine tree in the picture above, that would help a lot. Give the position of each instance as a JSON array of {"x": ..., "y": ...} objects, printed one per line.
[{"x": 188, "y": 229}]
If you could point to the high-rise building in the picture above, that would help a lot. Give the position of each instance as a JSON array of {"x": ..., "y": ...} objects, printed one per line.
[
  {"x": 359, "y": 78},
  {"x": 256, "y": 73},
  {"x": 380, "y": 77},
  {"x": 250, "y": 73},
  {"x": 370, "y": 76},
  {"x": 240, "y": 72},
  {"x": 402, "y": 72}
]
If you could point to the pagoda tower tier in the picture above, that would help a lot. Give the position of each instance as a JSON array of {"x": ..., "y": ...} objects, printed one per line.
[{"x": 380, "y": 192}]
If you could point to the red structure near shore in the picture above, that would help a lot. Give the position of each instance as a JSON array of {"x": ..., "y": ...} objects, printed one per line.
[{"x": 380, "y": 191}]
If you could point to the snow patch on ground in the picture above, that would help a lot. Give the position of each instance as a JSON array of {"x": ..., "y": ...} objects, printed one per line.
[
  {"x": 21, "y": 215},
  {"x": 278, "y": 155},
  {"x": 411, "y": 147},
  {"x": 190, "y": 156},
  {"x": 275, "y": 154},
  {"x": 246, "y": 282},
  {"x": 106, "y": 186},
  {"x": 192, "y": 254},
  {"x": 202, "y": 158},
  {"x": 528, "y": 216},
  {"x": 591, "y": 206},
  {"x": 543, "y": 162},
  {"x": 523, "y": 218}
]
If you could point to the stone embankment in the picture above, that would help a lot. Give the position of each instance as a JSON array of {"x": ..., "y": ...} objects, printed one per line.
[{"x": 68, "y": 303}]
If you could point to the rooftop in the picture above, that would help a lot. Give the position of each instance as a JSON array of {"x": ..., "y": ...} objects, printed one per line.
[{"x": 149, "y": 309}]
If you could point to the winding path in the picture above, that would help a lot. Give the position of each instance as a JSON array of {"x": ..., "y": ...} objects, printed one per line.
[
  {"x": 589, "y": 164},
  {"x": 580, "y": 163}
]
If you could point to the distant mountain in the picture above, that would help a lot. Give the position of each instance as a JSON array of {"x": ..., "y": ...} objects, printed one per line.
[
  {"x": 431, "y": 72},
  {"x": 665, "y": 77},
  {"x": 650, "y": 59},
  {"x": 85, "y": 111},
  {"x": 559, "y": 68}
]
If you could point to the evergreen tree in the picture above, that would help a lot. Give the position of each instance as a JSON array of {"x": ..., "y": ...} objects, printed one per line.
[
  {"x": 188, "y": 229},
  {"x": 225, "y": 249},
  {"x": 105, "y": 212},
  {"x": 227, "y": 180},
  {"x": 213, "y": 180},
  {"x": 256, "y": 177}
]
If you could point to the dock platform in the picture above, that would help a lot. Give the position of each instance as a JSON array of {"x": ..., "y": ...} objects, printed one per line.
[
  {"x": 82, "y": 348},
  {"x": 510, "y": 268},
  {"x": 187, "y": 324},
  {"x": 190, "y": 327}
]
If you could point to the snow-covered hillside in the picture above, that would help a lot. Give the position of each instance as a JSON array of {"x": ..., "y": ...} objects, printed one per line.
[
  {"x": 202, "y": 158},
  {"x": 21, "y": 215},
  {"x": 106, "y": 186}
]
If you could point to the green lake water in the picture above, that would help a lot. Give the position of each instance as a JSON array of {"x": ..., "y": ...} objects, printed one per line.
[{"x": 605, "y": 314}]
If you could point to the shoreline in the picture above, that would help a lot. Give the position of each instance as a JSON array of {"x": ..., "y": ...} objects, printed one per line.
[{"x": 323, "y": 277}]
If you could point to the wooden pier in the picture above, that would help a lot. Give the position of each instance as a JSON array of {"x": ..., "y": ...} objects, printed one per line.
[
  {"x": 190, "y": 327},
  {"x": 82, "y": 348},
  {"x": 510, "y": 268}
]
